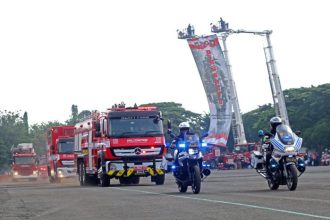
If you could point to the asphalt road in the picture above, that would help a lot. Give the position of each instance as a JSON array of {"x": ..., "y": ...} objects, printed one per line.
[{"x": 236, "y": 194}]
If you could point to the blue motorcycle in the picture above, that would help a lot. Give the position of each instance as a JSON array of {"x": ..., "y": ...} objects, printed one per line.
[{"x": 187, "y": 167}]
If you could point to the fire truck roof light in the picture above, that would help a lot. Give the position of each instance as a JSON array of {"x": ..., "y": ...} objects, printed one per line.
[{"x": 143, "y": 108}]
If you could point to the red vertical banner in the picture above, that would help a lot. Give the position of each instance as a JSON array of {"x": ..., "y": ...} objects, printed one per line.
[{"x": 213, "y": 71}]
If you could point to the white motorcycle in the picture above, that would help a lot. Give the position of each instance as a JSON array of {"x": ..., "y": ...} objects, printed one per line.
[{"x": 283, "y": 164}]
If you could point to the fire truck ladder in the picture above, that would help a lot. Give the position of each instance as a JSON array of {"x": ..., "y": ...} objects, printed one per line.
[
  {"x": 237, "y": 122},
  {"x": 274, "y": 80}
]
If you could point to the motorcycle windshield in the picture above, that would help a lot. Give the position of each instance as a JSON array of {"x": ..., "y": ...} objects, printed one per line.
[
  {"x": 285, "y": 134},
  {"x": 192, "y": 140}
]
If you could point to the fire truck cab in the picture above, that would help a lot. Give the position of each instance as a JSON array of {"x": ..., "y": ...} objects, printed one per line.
[
  {"x": 60, "y": 153},
  {"x": 121, "y": 143}
]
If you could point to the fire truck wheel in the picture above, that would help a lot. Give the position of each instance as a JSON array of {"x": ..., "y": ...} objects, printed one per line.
[
  {"x": 125, "y": 180},
  {"x": 82, "y": 175},
  {"x": 160, "y": 179},
  {"x": 135, "y": 179},
  {"x": 104, "y": 180},
  {"x": 51, "y": 179}
]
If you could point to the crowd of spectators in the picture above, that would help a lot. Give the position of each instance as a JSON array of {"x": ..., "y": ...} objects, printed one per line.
[{"x": 314, "y": 158}]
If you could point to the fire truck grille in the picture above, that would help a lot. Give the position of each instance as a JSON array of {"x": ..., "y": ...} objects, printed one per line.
[
  {"x": 25, "y": 171},
  {"x": 68, "y": 163},
  {"x": 137, "y": 151}
]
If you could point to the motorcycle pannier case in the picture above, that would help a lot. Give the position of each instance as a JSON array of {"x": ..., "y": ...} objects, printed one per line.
[{"x": 257, "y": 160}]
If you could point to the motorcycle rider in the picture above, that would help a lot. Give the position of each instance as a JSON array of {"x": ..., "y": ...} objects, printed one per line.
[
  {"x": 184, "y": 131},
  {"x": 274, "y": 122}
]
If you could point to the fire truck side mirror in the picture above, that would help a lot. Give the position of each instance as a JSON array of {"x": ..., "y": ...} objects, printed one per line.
[
  {"x": 157, "y": 119},
  {"x": 98, "y": 129},
  {"x": 169, "y": 125}
]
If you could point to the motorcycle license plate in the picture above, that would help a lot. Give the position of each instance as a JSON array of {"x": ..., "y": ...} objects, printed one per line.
[
  {"x": 290, "y": 159},
  {"x": 139, "y": 170}
]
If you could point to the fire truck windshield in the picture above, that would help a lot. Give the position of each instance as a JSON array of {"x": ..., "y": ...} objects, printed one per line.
[
  {"x": 65, "y": 147},
  {"x": 135, "y": 126},
  {"x": 24, "y": 160}
]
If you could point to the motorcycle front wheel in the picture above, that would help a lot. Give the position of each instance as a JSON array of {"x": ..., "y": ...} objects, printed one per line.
[
  {"x": 196, "y": 182},
  {"x": 292, "y": 177},
  {"x": 273, "y": 181},
  {"x": 182, "y": 187}
]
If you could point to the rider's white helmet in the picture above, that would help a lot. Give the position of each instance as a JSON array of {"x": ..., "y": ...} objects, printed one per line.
[
  {"x": 184, "y": 125},
  {"x": 274, "y": 121}
]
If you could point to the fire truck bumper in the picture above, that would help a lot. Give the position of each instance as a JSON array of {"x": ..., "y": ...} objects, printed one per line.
[
  {"x": 66, "y": 172},
  {"x": 116, "y": 169},
  {"x": 16, "y": 175}
]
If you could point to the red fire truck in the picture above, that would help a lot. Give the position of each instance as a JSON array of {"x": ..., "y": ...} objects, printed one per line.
[
  {"x": 242, "y": 154},
  {"x": 122, "y": 143},
  {"x": 42, "y": 167},
  {"x": 24, "y": 162},
  {"x": 218, "y": 157},
  {"x": 60, "y": 153}
]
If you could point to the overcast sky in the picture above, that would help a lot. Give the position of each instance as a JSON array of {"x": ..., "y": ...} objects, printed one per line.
[{"x": 96, "y": 53}]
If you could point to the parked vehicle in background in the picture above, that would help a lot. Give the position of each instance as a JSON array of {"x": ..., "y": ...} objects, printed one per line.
[
  {"x": 242, "y": 154},
  {"x": 60, "y": 153},
  {"x": 24, "y": 162},
  {"x": 218, "y": 157}
]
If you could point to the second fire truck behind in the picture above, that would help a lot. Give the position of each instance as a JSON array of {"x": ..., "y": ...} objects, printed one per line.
[{"x": 122, "y": 143}]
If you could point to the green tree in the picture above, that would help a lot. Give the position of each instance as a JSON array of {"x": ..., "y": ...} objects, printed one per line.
[
  {"x": 12, "y": 132},
  {"x": 177, "y": 114}
]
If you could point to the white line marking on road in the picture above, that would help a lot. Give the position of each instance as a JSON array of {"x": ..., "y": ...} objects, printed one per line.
[{"x": 229, "y": 203}]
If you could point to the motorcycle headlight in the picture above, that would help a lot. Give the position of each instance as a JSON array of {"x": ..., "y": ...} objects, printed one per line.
[
  {"x": 289, "y": 149},
  {"x": 35, "y": 172},
  {"x": 204, "y": 144},
  {"x": 15, "y": 173},
  {"x": 192, "y": 151}
]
